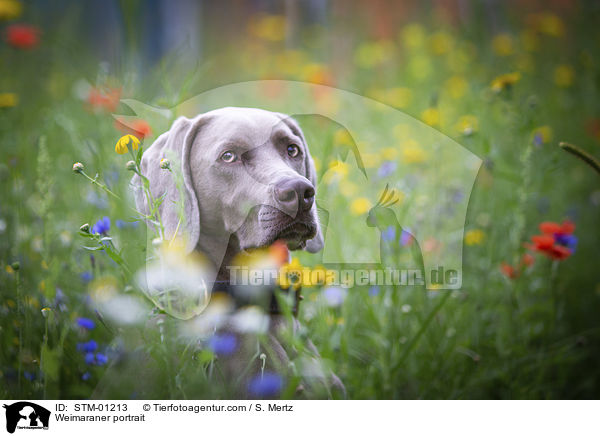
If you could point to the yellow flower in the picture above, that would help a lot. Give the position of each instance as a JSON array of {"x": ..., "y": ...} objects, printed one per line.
[
  {"x": 389, "y": 153},
  {"x": 413, "y": 36},
  {"x": 530, "y": 40},
  {"x": 420, "y": 67},
  {"x": 268, "y": 27},
  {"x": 10, "y": 9},
  {"x": 371, "y": 160},
  {"x": 412, "y": 152},
  {"x": 441, "y": 43},
  {"x": 337, "y": 171},
  {"x": 370, "y": 54},
  {"x": 563, "y": 76},
  {"x": 431, "y": 116},
  {"x": 505, "y": 81},
  {"x": 502, "y": 44},
  {"x": 124, "y": 142},
  {"x": 550, "y": 24},
  {"x": 8, "y": 99},
  {"x": 360, "y": 206},
  {"x": 542, "y": 135},
  {"x": 342, "y": 137},
  {"x": 457, "y": 86},
  {"x": 474, "y": 237},
  {"x": 467, "y": 125},
  {"x": 397, "y": 97}
]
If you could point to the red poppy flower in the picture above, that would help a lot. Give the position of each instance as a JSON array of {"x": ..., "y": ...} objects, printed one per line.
[
  {"x": 139, "y": 128},
  {"x": 551, "y": 228},
  {"x": 508, "y": 270},
  {"x": 107, "y": 101},
  {"x": 527, "y": 259},
  {"x": 542, "y": 242},
  {"x": 22, "y": 36}
]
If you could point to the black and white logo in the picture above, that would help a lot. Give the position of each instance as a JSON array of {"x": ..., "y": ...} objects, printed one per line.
[{"x": 26, "y": 415}]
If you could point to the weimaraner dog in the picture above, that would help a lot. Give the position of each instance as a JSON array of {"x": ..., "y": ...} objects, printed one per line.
[{"x": 249, "y": 180}]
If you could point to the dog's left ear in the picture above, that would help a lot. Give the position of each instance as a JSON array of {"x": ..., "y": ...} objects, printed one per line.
[{"x": 315, "y": 244}]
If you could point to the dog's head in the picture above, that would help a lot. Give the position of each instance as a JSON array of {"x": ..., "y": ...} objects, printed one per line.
[{"x": 245, "y": 171}]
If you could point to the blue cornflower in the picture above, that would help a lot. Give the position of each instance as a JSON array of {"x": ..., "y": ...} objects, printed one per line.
[
  {"x": 388, "y": 234},
  {"x": 89, "y": 359},
  {"x": 265, "y": 385},
  {"x": 334, "y": 296},
  {"x": 101, "y": 227},
  {"x": 86, "y": 323},
  {"x": 374, "y": 291},
  {"x": 86, "y": 376},
  {"x": 125, "y": 224},
  {"x": 405, "y": 237},
  {"x": 101, "y": 359},
  {"x": 87, "y": 347},
  {"x": 387, "y": 168},
  {"x": 569, "y": 241},
  {"x": 86, "y": 276},
  {"x": 224, "y": 344},
  {"x": 29, "y": 375}
]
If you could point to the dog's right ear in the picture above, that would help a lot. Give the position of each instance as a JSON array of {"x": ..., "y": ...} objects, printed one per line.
[{"x": 177, "y": 142}]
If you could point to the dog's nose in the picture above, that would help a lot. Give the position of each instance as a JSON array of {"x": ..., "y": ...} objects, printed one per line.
[{"x": 294, "y": 194}]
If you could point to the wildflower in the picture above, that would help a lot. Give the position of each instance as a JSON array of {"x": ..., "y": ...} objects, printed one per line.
[
  {"x": 29, "y": 375},
  {"x": 374, "y": 291},
  {"x": 104, "y": 100},
  {"x": 502, "y": 44},
  {"x": 266, "y": 384},
  {"x": 508, "y": 270},
  {"x": 334, "y": 296},
  {"x": 397, "y": 97},
  {"x": 101, "y": 227},
  {"x": 474, "y": 237},
  {"x": 86, "y": 323},
  {"x": 10, "y": 9},
  {"x": 542, "y": 135},
  {"x": 8, "y": 99},
  {"x": 22, "y": 36},
  {"x": 268, "y": 27},
  {"x": 138, "y": 128},
  {"x": 165, "y": 164},
  {"x": 130, "y": 165},
  {"x": 371, "y": 54},
  {"x": 125, "y": 142},
  {"x": 505, "y": 81},
  {"x": 441, "y": 43},
  {"x": 388, "y": 234},
  {"x": 223, "y": 344},
  {"x": 46, "y": 311},
  {"x": 563, "y": 76},
  {"x": 78, "y": 167},
  {"x": 406, "y": 308},
  {"x": 360, "y": 206},
  {"x": 89, "y": 359},
  {"x": 431, "y": 116},
  {"x": 87, "y": 347},
  {"x": 413, "y": 36},
  {"x": 291, "y": 274},
  {"x": 16, "y": 265},
  {"x": 556, "y": 241},
  {"x": 86, "y": 276},
  {"x": 548, "y": 23},
  {"x": 467, "y": 125},
  {"x": 101, "y": 359},
  {"x": 456, "y": 86},
  {"x": 86, "y": 376},
  {"x": 386, "y": 169},
  {"x": 412, "y": 153},
  {"x": 406, "y": 238}
]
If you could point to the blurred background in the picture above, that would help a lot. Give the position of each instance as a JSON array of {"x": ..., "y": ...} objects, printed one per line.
[{"x": 507, "y": 80}]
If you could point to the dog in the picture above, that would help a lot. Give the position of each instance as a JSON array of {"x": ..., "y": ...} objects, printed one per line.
[{"x": 248, "y": 181}]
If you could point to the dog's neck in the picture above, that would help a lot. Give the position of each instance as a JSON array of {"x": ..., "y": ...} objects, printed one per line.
[{"x": 220, "y": 249}]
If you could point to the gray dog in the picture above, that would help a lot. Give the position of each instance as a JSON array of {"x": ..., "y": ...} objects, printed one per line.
[{"x": 249, "y": 180}]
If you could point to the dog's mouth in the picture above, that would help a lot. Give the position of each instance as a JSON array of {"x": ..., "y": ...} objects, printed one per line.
[{"x": 295, "y": 234}]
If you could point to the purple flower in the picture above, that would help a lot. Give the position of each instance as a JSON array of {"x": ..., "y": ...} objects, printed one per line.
[
  {"x": 29, "y": 375},
  {"x": 569, "y": 241},
  {"x": 388, "y": 234},
  {"x": 87, "y": 347},
  {"x": 101, "y": 227},
  {"x": 334, "y": 296},
  {"x": 89, "y": 359},
  {"x": 86, "y": 376},
  {"x": 86, "y": 276},
  {"x": 374, "y": 291},
  {"x": 265, "y": 385},
  {"x": 387, "y": 168},
  {"x": 538, "y": 139},
  {"x": 223, "y": 344},
  {"x": 405, "y": 237},
  {"x": 101, "y": 359},
  {"x": 86, "y": 323}
]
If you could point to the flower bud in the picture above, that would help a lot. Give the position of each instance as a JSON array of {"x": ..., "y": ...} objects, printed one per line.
[
  {"x": 85, "y": 228},
  {"x": 77, "y": 167},
  {"x": 16, "y": 265},
  {"x": 130, "y": 165},
  {"x": 165, "y": 164},
  {"x": 46, "y": 311}
]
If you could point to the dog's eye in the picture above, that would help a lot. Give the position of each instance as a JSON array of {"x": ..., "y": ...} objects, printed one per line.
[
  {"x": 229, "y": 156},
  {"x": 293, "y": 150}
]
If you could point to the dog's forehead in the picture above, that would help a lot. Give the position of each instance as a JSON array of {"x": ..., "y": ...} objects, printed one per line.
[{"x": 248, "y": 124}]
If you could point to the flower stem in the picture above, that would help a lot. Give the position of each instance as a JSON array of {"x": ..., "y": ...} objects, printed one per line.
[
  {"x": 581, "y": 154},
  {"x": 100, "y": 185}
]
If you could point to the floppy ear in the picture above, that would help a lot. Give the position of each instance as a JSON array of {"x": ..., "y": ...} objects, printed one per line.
[
  {"x": 315, "y": 244},
  {"x": 174, "y": 144}
]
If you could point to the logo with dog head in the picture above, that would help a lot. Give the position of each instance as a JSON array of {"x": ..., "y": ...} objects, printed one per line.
[{"x": 26, "y": 415}]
